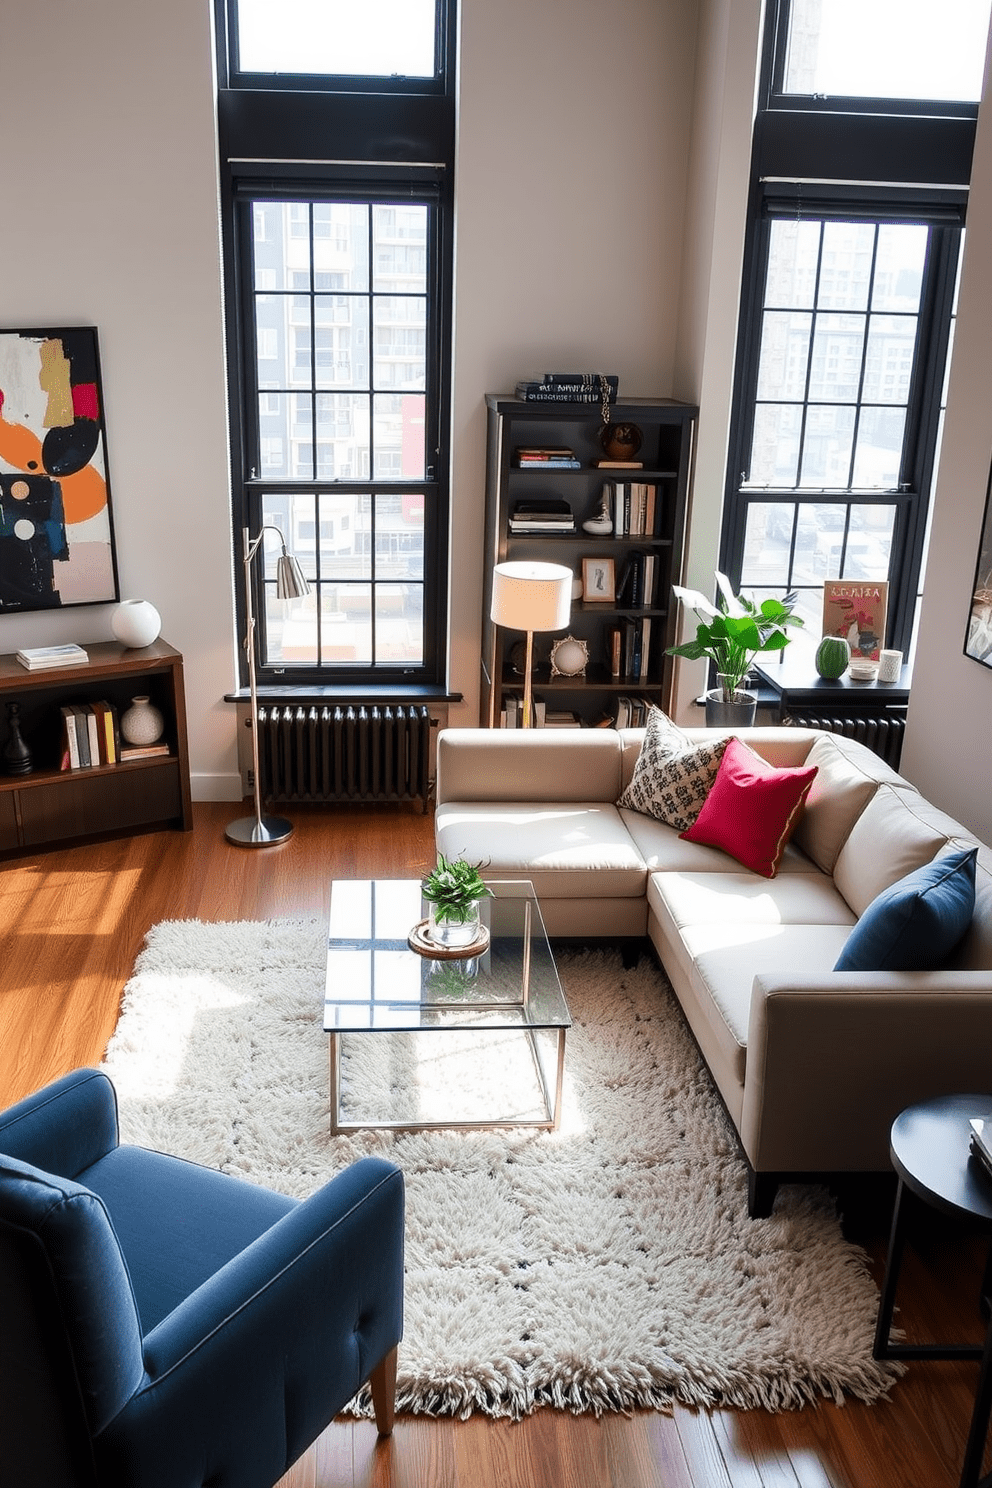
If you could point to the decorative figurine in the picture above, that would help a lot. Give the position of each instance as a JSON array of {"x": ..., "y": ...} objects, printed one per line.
[
  {"x": 601, "y": 525},
  {"x": 17, "y": 758}
]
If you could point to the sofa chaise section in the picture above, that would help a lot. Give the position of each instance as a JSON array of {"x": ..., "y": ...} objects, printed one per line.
[{"x": 812, "y": 1064}]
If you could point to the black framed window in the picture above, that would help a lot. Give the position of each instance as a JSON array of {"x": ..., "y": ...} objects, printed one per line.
[
  {"x": 339, "y": 285},
  {"x": 839, "y": 406},
  {"x": 849, "y": 280}
]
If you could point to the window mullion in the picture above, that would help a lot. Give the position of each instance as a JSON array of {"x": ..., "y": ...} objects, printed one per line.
[
  {"x": 814, "y": 312},
  {"x": 856, "y": 429}
]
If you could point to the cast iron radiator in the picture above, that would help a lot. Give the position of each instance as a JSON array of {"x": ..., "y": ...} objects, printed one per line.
[
  {"x": 361, "y": 753},
  {"x": 882, "y": 735}
]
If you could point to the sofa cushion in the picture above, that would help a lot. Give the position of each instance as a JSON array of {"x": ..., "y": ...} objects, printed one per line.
[
  {"x": 846, "y": 780},
  {"x": 752, "y": 808},
  {"x": 897, "y": 832},
  {"x": 723, "y": 960},
  {"x": 672, "y": 777},
  {"x": 571, "y": 849},
  {"x": 739, "y": 898},
  {"x": 663, "y": 849},
  {"x": 916, "y": 922}
]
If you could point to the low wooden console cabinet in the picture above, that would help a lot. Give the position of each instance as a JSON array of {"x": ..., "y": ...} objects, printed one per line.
[{"x": 51, "y": 807}]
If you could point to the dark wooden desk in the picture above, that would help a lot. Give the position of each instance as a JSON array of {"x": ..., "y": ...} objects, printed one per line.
[
  {"x": 874, "y": 713},
  {"x": 800, "y": 689}
]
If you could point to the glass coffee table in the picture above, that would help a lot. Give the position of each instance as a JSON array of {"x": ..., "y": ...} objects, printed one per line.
[{"x": 376, "y": 984}]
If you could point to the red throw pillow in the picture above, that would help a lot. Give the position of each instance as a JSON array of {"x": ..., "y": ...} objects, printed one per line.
[{"x": 752, "y": 808}]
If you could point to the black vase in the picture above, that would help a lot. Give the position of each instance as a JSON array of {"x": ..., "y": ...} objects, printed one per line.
[{"x": 17, "y": 758}]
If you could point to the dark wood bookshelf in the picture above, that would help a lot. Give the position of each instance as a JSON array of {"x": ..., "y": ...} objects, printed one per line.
[
  {"x": 666, "y": 451},
  {"x": 52, "y": 807}
]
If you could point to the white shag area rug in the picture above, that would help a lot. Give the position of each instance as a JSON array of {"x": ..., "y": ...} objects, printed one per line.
[{"x": 605, "y": 1266}]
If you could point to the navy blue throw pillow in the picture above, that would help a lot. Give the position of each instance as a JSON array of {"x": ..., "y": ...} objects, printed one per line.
[{"x": 915, "y": 923}]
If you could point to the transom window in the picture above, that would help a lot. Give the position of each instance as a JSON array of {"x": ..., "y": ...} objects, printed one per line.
[
  {"x": 378, "y": 38},
  {"x": 886, "y": 49}
]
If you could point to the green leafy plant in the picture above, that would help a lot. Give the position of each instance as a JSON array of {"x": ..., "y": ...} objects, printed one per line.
[
  {"x": 454, "y": 888},
  {"x": 732, "y": 634}
]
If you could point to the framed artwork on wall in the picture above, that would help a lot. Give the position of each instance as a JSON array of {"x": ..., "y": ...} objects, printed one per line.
[
  {"x": 978, "y": 638},
  {"x": 56, "y": 533}
]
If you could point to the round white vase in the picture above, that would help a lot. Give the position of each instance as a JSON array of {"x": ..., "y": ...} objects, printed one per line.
[
  {"x": 136, "y": 622},
  {"x": 142, "y": 723}
]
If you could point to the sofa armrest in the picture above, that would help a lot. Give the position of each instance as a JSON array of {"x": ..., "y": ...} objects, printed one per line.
[
  {"x": 283, "y": 1335},
  {"x": 64, "y": 1128},
  {"x": 832, "y": 1058}
]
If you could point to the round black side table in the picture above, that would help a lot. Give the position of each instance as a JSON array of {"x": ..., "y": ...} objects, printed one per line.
[{"x": 930, "y": 1148}]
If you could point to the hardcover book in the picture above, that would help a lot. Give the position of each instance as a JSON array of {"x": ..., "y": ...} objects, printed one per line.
[{"x": 856, "y": 611}]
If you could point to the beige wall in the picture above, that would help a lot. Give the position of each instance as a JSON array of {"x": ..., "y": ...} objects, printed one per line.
[
  {"x": 946, "y": 752},
  {"x": 573, "y": 144},
  {"x": 719, "y": 167},
  {"x": 599, "y": 222},
  {"x": 573, "y": 153},
  {"x": 108, "y": 176}
]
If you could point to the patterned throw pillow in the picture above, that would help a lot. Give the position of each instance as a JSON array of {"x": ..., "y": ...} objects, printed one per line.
[{"x": 672, "y": 776}]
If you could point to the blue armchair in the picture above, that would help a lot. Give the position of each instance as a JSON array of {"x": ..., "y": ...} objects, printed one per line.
[{"x": 163, "y": 1325}]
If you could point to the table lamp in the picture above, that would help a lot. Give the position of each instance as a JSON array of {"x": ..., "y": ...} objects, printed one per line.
[
  {"x": 259, "y": 831},
  {"x": 529, "y": 597}
]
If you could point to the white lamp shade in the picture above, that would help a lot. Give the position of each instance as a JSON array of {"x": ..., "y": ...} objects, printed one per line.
[{"x": 531, "y": 596}]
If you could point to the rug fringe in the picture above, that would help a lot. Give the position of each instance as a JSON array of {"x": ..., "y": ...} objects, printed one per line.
[{"x": 613, "y": 1393}]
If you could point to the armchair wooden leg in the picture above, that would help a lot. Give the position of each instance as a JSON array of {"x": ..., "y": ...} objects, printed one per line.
[{"x": 383, "y": 1384}]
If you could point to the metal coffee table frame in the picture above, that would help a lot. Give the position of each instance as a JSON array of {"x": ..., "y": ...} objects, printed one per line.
[{"x": 376, "y": 983}]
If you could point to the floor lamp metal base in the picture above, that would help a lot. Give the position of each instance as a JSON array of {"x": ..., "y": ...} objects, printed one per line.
[{"x": 252, "y": 831}]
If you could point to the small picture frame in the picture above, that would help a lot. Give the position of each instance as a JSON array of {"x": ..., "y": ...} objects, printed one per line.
[{"x": 599, "y": 582}]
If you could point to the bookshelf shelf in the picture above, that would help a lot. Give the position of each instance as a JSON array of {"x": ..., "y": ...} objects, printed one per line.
[
  {"x": 51, "y": 807},
  {"x": 667, "y": 429}
]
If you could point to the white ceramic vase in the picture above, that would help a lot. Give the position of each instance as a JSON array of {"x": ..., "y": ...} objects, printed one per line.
[
  {"x": 142, "y": 723},
  {"x": 136, "y": 622}
]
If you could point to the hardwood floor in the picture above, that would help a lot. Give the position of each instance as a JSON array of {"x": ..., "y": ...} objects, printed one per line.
[{"x": 72, "y": 925}]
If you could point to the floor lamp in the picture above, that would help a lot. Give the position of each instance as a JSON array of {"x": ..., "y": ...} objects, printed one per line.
[
  {"x": 529, "y": 597},
  {"x": 259, "y": 830}
]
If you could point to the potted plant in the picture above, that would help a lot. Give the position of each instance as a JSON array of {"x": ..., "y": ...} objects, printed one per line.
[
  {"x": 454, "y": 890},
  {"x": 731, "y": 635}
]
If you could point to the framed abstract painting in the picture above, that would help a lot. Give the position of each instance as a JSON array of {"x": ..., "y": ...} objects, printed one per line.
[
  {"x": 56, "y": 533},
  {"x": 978, "y": 639}
]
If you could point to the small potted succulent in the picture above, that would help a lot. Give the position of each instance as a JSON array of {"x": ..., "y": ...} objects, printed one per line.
[{"x": 454, "y": 890}]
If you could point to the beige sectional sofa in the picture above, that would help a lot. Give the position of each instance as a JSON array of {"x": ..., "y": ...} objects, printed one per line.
[{"x": 812, "y": 1064}]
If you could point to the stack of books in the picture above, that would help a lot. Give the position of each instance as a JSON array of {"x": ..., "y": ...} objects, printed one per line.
[
  {"x": 546, "y": 457},
  {"x": 512, "y": 712},
  {"x": 629, "y": 649},
  {"x": 635, "y": 508},
  {"x": 636, "y": 586},
  {"x": 90, "y": 735},
  {"x": 47, "y": 658},
  {"x": 632, "y": 712},
  {"x": 570, "y": 387},
  {"x": 542, "y": 514}
]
